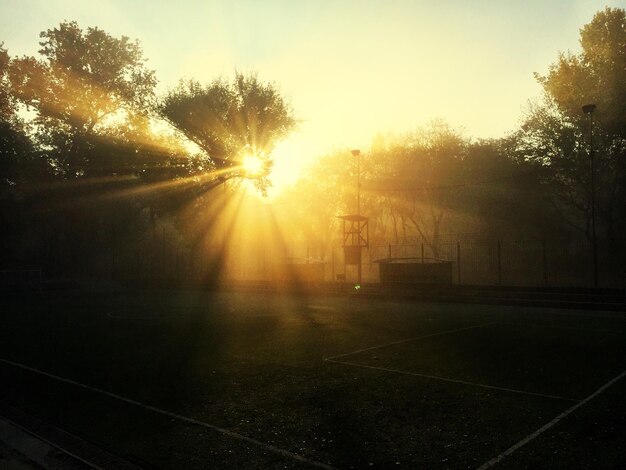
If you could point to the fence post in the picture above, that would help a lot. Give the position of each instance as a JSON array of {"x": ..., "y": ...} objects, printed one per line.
[
  {"x": 499, "y": 263},
  {"x": 458, "y": 260},
  {"x": 422, "y": 252}
]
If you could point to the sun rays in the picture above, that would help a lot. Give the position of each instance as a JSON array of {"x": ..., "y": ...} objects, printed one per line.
[
  {"x": 239, "y": 236},
  {"x": 252, "y": 165},
  {"x": 231, "y": 233}
]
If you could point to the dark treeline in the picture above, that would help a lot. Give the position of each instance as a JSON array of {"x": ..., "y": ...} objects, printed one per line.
[
  {"x": 91, "y": 176},
  {"x": 435, "y": 186},
  {"x": 91, "y": 172}
]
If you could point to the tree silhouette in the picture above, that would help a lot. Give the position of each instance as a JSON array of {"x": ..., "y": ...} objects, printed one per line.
[
  {"x": 555, "y": 135},
  {"x": 228, "y": 120},
  {"x": 6, "y": 101},
  {"x": 597, "y": 74},
  {"x": 16, "y": 149},
  {"x": 82, "y": 79}
]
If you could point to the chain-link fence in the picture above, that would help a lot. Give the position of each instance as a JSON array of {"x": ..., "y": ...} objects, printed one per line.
[
  {"x": 161, "y": 255},
  {"x": 506, "y": 262}
]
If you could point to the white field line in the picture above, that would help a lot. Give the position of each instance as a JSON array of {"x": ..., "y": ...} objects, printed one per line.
[
  {"x": 333, "y": 359},
  {"x": 225, "y": 432},
  {"x": 441, "y": 333},
  {"x": 559, "y": 327},
  {"x": 547, "y": 426},
  {"x": 456, "y": 381}
]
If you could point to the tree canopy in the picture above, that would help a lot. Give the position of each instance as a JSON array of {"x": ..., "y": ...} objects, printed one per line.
[
  {"x": 81, "y": 79},
  {"x": 6, "y": 104},
  {"x": 92, "y": 134},
  {"x": 556, "y": 134},
  {"x": 597, "y": 74},
  {"x": 230, "y": 120}
]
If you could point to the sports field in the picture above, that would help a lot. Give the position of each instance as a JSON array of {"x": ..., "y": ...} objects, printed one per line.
[{"x": 194, "y": 379}]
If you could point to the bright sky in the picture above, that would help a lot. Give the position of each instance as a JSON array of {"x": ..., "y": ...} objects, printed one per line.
[{"x": 350, "y": 69}]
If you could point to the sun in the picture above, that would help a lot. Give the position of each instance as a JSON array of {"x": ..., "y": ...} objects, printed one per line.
[
  {"x": 253, "y": 165},
  {"x": 283, "y": 165}
]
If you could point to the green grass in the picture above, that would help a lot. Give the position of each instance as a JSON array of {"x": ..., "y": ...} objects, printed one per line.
[{"x": 254, "y": 364}]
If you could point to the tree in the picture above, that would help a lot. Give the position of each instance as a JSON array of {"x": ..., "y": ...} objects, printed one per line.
[
  {"x": 408, "y": 189},
  {"x": 595, "y": 75},
  {"x": 91, "y": 93},
  {"x": 411, "y": 178},
  {"x": 83, "y": 79},
  {"x": 554, "y": 145},
  {"x": 229, "y": 120},
  {"x": 555, "y": 135},
  {"x": 16, "y": 150},
  {"x": 6, "y": 103},
  {"x": 324, "y": 191}
]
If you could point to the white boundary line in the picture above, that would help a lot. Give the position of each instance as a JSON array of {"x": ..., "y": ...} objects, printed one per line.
[
  {"x": 558, "y": 327},
  {"x": 226, "y": 432},
  {"x": 333, "y": 359},
  {"x": 547, "y": 426},
  {"x": 456, "y": 381},
  {"x": 441, "y": 333}
]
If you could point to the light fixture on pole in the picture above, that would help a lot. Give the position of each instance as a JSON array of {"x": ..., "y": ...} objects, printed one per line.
[{"x": 589, "y": 109}]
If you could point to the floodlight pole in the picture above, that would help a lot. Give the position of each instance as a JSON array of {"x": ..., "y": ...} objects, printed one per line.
[
  {"x": 357, "y": 154},
  {"x": 589, "y": 109},
  {"x": 358, "y": 185}
]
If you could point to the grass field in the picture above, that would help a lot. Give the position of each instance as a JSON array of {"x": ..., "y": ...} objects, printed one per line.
[{"x": 193, "y": 379}]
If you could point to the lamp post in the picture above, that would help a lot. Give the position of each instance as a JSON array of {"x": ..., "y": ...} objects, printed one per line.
[
  {"x": 357, "y": 154},
  {"x": 589, "y": 109}
]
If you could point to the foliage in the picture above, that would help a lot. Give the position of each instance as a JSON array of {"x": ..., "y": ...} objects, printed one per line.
[
  {"x": 82, "y": 79},
  {"x": 423, "y": 187},
  {"x": 92, "y": 154},
  {"x": 17, "y": 158},
  {"x": 326, "y": 190},
  {"x": 229, "y": 120},
  {"x": 595, "y": 75},
  {"x": 6, "y": 101},
  {"x": 556, "y": 133}
]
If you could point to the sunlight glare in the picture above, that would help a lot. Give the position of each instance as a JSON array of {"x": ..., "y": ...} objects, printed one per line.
[
  {"x": 253, "y": 165},
  {"x": 290, "y": 157}
]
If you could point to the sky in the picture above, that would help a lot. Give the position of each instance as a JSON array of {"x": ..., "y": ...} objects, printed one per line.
[{"x": 349, "y": 69}]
